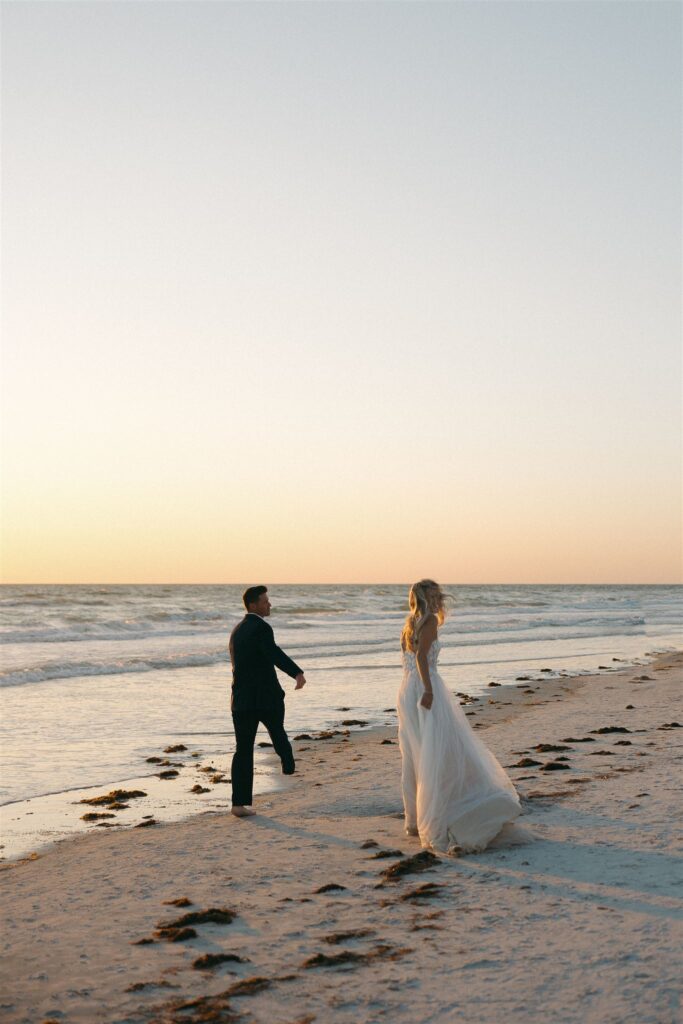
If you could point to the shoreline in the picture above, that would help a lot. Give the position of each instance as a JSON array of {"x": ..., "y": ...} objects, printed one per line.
[
  {"x": 56, "y": 816},
  {"x": 580, "y": 925}
]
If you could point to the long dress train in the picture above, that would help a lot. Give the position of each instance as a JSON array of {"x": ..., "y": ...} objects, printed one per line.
[{"x": 455, "y": 793}]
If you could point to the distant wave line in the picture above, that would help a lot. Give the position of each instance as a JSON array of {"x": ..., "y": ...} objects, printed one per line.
[{"x": 487, "y": 628}]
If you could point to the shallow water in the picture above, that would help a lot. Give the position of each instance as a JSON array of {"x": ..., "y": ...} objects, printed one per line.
[{"x": 95, "y": 679}]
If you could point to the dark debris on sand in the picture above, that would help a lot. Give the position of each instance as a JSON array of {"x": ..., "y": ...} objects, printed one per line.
[
  {"x": 181, "y": 929},
  {"x": 211, "y": 960},
  {"x": 609, "y": 728},
  {"x": 248, "y": 986},
  {"x": 421, "y": 861},
  {"x": 350, "y": 956},
  {"x": 204, "y": 1010},
  {"x": 116, "y": 796},
  {"x": 330, "y": 887},
  {"x": 140, "y": 986},
  {"x": 422, "y": 892},
  {"x": 214, "y": 915},
  {"x": 171, "y": 934}
]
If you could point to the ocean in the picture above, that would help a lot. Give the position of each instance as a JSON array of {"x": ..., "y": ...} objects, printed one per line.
[{"x": 95, "y": 679}]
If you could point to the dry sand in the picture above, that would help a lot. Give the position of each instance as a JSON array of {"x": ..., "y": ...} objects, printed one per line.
[{"x": 583, "y": 924}]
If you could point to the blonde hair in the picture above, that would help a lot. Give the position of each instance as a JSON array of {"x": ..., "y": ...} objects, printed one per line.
[{"x": 425, "y": 597}]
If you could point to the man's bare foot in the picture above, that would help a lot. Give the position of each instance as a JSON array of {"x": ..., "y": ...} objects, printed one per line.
[{"x": 241, "y": 812}]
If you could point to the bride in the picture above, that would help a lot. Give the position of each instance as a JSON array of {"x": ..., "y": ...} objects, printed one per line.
[{"x": 456, "y": 795}]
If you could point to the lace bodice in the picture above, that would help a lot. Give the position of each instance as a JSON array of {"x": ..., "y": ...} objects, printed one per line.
[{"x": 409, "y": 661}]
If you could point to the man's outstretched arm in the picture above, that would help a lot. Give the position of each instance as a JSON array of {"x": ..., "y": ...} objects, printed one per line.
[{"x": 280, "y": 659}]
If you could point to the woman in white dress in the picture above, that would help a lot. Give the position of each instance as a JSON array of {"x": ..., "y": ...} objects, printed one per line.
[{"x": 456, "y": 795}]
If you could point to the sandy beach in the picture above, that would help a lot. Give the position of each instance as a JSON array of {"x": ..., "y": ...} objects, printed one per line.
[{"x": 582, "y": 924}]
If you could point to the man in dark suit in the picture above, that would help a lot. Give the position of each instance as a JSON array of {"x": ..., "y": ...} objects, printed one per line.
[{"x": 257, "y": 695}]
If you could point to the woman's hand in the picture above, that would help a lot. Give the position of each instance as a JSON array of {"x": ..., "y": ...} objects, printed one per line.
[{"x": 427, "y": 698}]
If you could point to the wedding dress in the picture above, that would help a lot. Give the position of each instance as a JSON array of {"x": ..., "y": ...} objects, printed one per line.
[{"x": 456, "y": 795}]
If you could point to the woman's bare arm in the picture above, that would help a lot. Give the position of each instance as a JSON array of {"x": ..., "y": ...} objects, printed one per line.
[{"x": 427, "y": 637}]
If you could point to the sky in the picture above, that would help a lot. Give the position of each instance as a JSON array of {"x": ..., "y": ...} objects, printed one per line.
[{"x": 341, "y": 292}]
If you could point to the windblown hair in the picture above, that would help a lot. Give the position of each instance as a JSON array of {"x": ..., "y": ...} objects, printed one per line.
[
  {"x": 252, "y": 594},
  {"x": 424, "y": 597}
]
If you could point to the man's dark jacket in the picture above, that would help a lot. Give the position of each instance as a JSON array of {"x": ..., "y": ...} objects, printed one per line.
[{"x": 254, "y": 654}]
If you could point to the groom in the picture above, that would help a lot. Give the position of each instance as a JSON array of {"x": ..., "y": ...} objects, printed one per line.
[{"x": 257, "y": 695}]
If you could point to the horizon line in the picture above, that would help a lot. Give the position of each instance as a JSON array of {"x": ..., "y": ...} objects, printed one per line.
[{"x": 361, "y": 583}]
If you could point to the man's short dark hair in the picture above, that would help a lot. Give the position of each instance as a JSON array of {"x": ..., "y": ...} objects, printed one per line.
[{"x": 252, "y": 594}]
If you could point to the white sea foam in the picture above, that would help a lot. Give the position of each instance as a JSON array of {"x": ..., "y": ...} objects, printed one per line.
[{"x": 85, "y": 669}]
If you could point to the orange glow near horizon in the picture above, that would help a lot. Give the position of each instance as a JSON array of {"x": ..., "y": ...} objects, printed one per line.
[{"x": 537, "y": 541}]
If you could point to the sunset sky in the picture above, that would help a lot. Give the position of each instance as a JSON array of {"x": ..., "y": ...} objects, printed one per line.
[{"x": 356, "y": 292}]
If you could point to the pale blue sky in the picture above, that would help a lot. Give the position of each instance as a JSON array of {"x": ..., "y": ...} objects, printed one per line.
[{"x": 348, "y": 291}]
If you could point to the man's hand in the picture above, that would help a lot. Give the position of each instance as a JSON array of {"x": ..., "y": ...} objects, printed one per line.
[
  {"x": 300, "y": 681},
  {"x": 427, "y": 698}
]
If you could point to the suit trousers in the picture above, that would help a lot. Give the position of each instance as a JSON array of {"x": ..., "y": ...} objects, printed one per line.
[{"x": 246, "y": 723}]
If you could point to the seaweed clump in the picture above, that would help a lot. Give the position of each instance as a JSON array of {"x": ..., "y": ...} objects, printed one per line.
[
  {"x": 350, "y": 956},
  {"x": 211, "y": 960},
  {"x": 116, "y": 796},
  {"x": 421, "y": 861}
]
